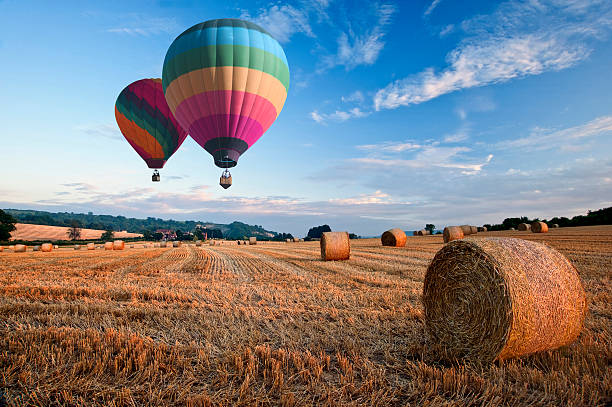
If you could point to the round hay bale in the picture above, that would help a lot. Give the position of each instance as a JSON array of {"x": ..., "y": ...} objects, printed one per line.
[
  {"x": 163, "y": 244},
  {"x": 512, "y": 229},
  {"x": 252, "y": 240},
  {"x": 482, "y": 229},
  {"x": 131, "y": 246},
  {"x": 467, "y": 230},
  {"x": 289, "y": 240},
  {"x": 11, "y": 247},
  {"x": 46, "y": 247},
  {"x": 198, "y": 243},
  {"x": 474, "y": 230},
  {"x": 176, "y": 244},
  {"x": 422, "y": 232},
  {"x": 555, "y": 225},
  {"x": 20, "y": 248},
  {"x": 394, "y": 237},
  {"x": 296, "y": 239},
  {"x": 91, "y": 246},
  {"x": 1, "y": 249},
  {"x": 539, "y": 227},
  {"x": 498, "y": 298},
  {"x": 108, "y": 246},
  {"x": 156, "y": 245},
  {"x": 452, "y": 233},
  {"x": 335, "y": 246},
  {"x": 301, "y": 240},
  {"x": 77, "y": 247},
  {"x": 118, "y": 245},
  {"x": 524, "y": 227},
  {"x": 212, "y": 243},
  {"x": 36, "y": 248},
  {"x": 56, "y": 247}
]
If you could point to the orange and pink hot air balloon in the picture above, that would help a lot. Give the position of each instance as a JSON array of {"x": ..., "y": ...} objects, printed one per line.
[
  {"x": 225, "y": 81},
  {"x": 147, "y": 123}
]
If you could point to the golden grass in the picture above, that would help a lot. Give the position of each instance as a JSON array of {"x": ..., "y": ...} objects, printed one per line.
[
  {"x": 272, "y": 324},
  {"x": 26, "y": 231}
]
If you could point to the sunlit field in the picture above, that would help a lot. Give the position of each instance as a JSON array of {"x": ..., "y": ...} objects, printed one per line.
[{"x": 272, "y": 324}]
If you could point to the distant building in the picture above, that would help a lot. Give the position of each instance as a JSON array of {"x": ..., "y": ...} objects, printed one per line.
[{"x": 167, "y": 233}]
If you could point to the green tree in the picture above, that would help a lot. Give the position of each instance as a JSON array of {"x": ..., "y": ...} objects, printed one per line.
[
  {"x": 74, "y": 230},
  {"x": 317, "y": 231},
  {"x": 108, "y": 235},
  {"x": 7, "y": 225},
  {"x": 430, "y": 227}
]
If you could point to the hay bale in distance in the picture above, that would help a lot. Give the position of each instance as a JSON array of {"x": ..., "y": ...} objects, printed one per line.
[
  {"x": 252, "y": 240},
  {"x": 56, "y": 247},
  {"x": 118, "y": 245},
  {"x": 91, "y": 246},
  {"x": 512, "y": 229},
  {"x": 198, "y": 243},
  {"x": 176, "y": 244},
  {"x": 422, "y": 232},
  {"x": 77, "y": 247},
  {"x": 335, "y": 246},
  {"x": 1, "y": 249},
  {"x": 481, "y": 229},
  {"x": 467, "y": 230},
  {"x": 539, "y": 227},
  {"x": 46, "y": 247},
  {"x": 498, "y": 298},
  {"x": 415, "y": 233},
  {"x": 555, "y": 225},
  {"x": 36, "y": 248},
  {"x": 301, "y": 240},
  {"x": 524, "y": 227},
  {"x": 474, "y": 230},
  {"x": 394, "y": 237},
  {"x": 289, "y": 240},
  {"x": 108, "y": 246},
  {"x": 452, "y": 233},
  {"x": 20, "y": 248},
  {"x": 296, "y": 239}
]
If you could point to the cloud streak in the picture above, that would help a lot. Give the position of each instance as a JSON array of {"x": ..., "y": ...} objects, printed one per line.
[{"x": 520, "y": 39}]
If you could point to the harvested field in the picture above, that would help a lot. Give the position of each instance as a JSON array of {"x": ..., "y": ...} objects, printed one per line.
[
  {"x": 272, "y": 324},
  {"x": 26, "y": 231}
]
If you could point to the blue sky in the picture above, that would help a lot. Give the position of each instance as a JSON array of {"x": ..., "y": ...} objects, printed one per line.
[{"x": 398, "y": 113}]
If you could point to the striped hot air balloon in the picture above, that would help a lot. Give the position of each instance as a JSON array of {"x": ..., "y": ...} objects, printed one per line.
[
  {"x": 226, "y": 81},
  {"x": 147, "y": 123}
]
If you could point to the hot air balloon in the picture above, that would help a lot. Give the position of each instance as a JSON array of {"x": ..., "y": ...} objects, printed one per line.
[
  {"x": 147, "y": 124},
  {"x": 225, "y": 81}
]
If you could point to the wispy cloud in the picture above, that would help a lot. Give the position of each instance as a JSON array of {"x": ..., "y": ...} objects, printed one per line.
[
  {"x": 431, "y": 7},
  {"x": 138, "y": 24},
  {"x": 284, "y": 21},
  {"x": 356, "y": 97},
  {"x": 105, "y": 130},
  {"x": 361, "y": 48},
  {"x": 338, "y": 116},
  {"x": 546, "y": 139},
  {"x": 521, "y": 38},
  {"x": 390, "y": 147}
]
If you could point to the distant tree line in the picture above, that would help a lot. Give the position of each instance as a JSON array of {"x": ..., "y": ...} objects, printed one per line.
[{"x": 598, "y": 217}]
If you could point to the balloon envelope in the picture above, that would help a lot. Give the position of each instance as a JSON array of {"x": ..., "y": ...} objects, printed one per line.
[
  {"x": 147, "y": 123},
  {"x": 225, "y": 81}
]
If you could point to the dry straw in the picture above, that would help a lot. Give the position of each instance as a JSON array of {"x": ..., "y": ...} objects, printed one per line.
[
  {"x": 422, "y": 232},
  {"x": 335, "y": 246},
  {"x": 498, "y": 298},
  {"x": 198, "y": 243},
  {"x": 176, "y": 244},
  {"x": 77, "y": 247},
  {"x": 467, "y": 230},
  {"x": 36, "y": 248},
  {"x": 394, "y": 237},
  {"x": 474, "y": 229},
  {"x": 46, "y": 247},
  {"x": 452, "y": 233},
  {"x": 296, "y": 239},
  {"x": 91, "y": 246},
  {"x": 118, "y": 245},
  {"x": 19, "y": 248},
  {"x": 524, "y": 227},
  {"x": 539, "y": 227},
  {"x": 252, "y": 240}
]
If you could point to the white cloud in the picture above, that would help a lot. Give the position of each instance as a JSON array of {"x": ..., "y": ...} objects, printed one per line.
[
  {"x": 544, "y": 139},
  {"x": 283, "y": 21},
  {"x": 431, "y": 7},
  {"x": 521, "y": 38},
  {"x": 390, "y": 147},
  {"x": 106, "y": 130},
  {"x": 356, "y": 97},
  {"x": 456, "y": 137},
  {"x": 356, "y": 49},
  {"x": 447, "y": 30},
  {"x": 338, "y": 115},
  {"x": 137, "y": 24}
]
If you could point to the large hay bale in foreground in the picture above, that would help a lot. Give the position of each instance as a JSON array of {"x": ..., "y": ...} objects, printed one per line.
[
  {"x": 252, "y": 240},
  {"x": 46, "y": 247},
  {"x": 91, "y": 246},
  {"x": 467, "y": 230},
  {"x": 523, "y": 227},
  {"x": 539, "y": 227},
  {"x": 452, "y": 233},
  {"x": 118, "y": 245},
  {"x": 335, "y": 246},
  {"x": 394, "y": 237},
  {"x": 498, "y": 298},
  {"x": 20, "y": 248}
]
